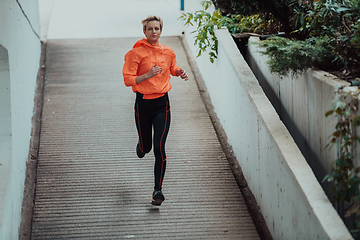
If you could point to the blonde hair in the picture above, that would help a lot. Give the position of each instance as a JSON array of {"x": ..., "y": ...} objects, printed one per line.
[{"x": 152, "y": 18}]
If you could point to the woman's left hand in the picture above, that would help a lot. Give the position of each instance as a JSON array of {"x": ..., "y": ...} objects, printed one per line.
[{"x": 183, "y": 74}]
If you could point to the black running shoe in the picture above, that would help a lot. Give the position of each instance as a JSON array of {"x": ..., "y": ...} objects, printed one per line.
[
  {"x": 158, "y": 198},
  {"x": 139, "y": 153}
]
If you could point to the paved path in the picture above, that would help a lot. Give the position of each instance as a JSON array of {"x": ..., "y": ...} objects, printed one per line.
[{"x": 90, "y": 183}]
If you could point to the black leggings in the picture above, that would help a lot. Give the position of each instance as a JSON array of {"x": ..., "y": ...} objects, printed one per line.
[{"x": 153, "y": 113}]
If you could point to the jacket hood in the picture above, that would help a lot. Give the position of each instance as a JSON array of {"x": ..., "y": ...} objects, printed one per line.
[{"x": 143, "y": 42}]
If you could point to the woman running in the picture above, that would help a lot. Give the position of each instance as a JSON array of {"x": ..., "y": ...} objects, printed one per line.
[{"x": 147, "y": 70}]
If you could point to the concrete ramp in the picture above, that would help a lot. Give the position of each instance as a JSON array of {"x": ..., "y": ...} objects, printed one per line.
[{"x": 90, "y": 183}]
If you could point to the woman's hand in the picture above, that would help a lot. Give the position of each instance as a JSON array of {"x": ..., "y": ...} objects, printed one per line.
[
  {"x": 154, "y": 70},
  {"x": 181, "y": 73}
]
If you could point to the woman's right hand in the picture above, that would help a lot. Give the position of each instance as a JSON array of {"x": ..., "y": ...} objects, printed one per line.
[{"x": 154, "y": 70}]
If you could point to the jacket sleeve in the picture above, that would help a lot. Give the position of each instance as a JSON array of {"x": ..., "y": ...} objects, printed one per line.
[
  {"x": 130, "y": 69},
  {"x": 173, "y": 66}
]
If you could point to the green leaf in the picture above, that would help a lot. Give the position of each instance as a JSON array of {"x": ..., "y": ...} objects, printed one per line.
[
  {"x": 328, "y": 178},
  {"x": 336, "y": 174},
  {"x": 339, "y": 105},
  {"x": 337, "y": 134},
  {"x": 357, "y": 199},
  {"x": 354, "y": 139},
  {"x": 212, "y": 54},
  {"x": 329, "y": 113},
  {"x": 357, "y": 121},
  {"x": 340, "y": 162}
]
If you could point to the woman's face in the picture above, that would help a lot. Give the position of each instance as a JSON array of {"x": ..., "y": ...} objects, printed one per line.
[{"x": 152, "y": 31}]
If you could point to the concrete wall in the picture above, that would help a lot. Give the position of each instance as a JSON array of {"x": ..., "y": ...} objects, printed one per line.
[
  {"x": 289, "y": 196},
  {"x": 19, "y": 64},
  {"x": 301, "y": 103}
]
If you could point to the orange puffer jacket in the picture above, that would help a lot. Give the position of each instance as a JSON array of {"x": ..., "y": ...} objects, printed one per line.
[{"x": 140, "y": 59}]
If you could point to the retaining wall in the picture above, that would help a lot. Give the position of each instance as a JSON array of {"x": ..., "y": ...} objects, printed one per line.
[
  {"x": 289, "y": 196},
  {"x": 301, "y": 103}
]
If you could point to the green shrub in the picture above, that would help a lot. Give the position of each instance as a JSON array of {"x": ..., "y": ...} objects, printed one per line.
[{"x": 296, "y": 56}]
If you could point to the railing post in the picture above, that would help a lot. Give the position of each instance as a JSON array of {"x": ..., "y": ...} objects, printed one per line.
[{"x": 182, "y": 5}]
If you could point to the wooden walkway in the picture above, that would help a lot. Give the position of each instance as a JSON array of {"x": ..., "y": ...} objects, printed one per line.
[{"x": 90, "y": 183}]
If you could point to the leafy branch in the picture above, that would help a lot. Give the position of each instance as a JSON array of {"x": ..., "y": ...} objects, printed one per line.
[
  {"x": 206, "y": 22},
  {"x": 344, "y": 173}
]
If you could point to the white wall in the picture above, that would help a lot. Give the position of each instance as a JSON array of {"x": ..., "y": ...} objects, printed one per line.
[
  {"x": 302, "y": 103},
  {"x": 105, "y": 18},
  {"x": 23, "y": 48},
  {"x": 289, "y": 196}
]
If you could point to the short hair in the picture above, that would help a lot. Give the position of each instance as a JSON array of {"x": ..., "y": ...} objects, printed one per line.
[{"x": 152, "y": 18}]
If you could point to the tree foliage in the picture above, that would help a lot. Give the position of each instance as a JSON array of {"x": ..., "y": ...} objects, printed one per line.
[
  {"x": 206, "y": 22},
  {"x": 280, "y": 9},
  {"x": 339, "y": 20}
]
